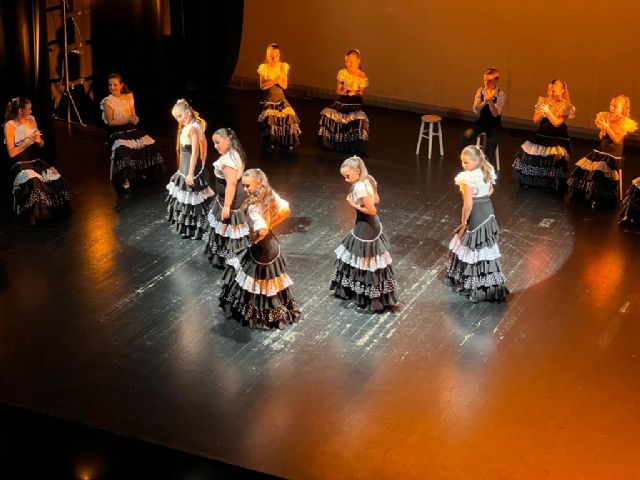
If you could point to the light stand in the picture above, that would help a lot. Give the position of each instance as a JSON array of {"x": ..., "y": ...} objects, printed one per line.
[{"x": 70, "y": 101}]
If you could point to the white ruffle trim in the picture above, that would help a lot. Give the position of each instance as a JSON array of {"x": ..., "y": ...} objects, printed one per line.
[
  {"x": 588, "y": 165},
  {"x": 470, "y": 256},
  {"x": 272, "y": 112},
  {"x": 228, "y": 230},
  {"x": 363, "y": 263},
  {"x": 542, "y": 151},
  {"x": 344, "y": 118},
  {"x": 136, "y": 144},
  {"x": 259, "y": 287},
  {"x": 188, "y": 198},
  {"x": 49, "y": 175}
]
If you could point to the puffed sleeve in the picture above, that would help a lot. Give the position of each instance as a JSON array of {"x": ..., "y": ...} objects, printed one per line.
[
  {"x": 229, "y": 160},
  {"x": 365, "y": 82},
  {"x": 630, "y": 125},
  {"x": 285, "y": 68},
  {"x": 283, "y": 205},
  {"x": 105, "y": 101},
  {"x": 257, "y": 220},
  {"x": 342, "y": 75},
  {"x": 262, "y": 70},
  {"x": 362, "y": 188},
  {"x": 464, "y": 178}
]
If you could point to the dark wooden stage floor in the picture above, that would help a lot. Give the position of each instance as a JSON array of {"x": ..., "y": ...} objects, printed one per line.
[{"x": 111, "y": 321}]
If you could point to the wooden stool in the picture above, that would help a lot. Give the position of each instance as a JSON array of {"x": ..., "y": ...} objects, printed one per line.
[
  {"x": 430, "y": 119},
  {"x": 481, "y": 141}
]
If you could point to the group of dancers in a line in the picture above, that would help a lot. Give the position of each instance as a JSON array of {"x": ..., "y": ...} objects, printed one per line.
[
  {"x": 543, "y": 160},
  {"x": 235, "y": 213}
]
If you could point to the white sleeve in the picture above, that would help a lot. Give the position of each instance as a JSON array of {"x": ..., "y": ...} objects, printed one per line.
[
  {"x": 257, "y": 220},
  {"x": 502, "y": 98}
]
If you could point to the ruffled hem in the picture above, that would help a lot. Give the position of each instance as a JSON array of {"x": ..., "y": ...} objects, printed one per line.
[
  {"x": 197, "y": 194},
  {"x": 241, "y": 297},
  {"x": 188, "y": 220},
  {"x": 473, "y": 255},
  {"x": 373, "y": 262},
  {"x": 599, "y": 165},
  {"x": 537, "y": 150},
  {"x": 268, "y": 287},
  {"x": 631, "y": 203},
  {"x": 346, "y": 131}
]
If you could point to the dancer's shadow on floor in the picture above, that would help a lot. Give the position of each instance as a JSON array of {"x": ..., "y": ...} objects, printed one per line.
[
  {"x": 231, "y": 329},
  {"x": 295, "y": 225}
]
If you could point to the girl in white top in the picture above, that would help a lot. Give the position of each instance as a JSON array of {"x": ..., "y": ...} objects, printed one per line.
[
  {"x": 344, "y": 126},
  {"x": 256, "y": 287},
  {"x": 229, "y": 231},
  {"x": 132, "y": 152},
  {"x": 188, "y": 189},
  {"x": 474, "y": 268},
  {"x": 279, "y": 124},
  {"x": 363, "y": 266},
  {"x": 40, "y": 192}
]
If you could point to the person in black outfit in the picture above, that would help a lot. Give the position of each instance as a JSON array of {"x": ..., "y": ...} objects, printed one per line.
[{"x": 488, "y": 102}]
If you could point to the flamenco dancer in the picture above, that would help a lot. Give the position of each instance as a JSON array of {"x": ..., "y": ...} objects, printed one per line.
[
  {"x": 229, "y": 230},
  {"x": 597, "y": 175},
  {"x": 39, "y": 191},
  {"x": 474, "y": 258},
  {"x": 188, "y": 189},
  {"x": 344, "y": 127},
  {"x": 279, "y": 124},
  {"x": 256, "y": 289},
  {"x": 488, "y": 103},
  {"x": 543, "y": 160},
  {"x": 133, "y": 153},
  {"x": 363, "y": 270}
]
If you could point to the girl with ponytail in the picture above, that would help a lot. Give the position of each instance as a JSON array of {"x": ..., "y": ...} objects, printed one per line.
[
  {"x": 363, "y": 270},
  {"x": 229, "y": 230},
  {"x": 474, "y": 268},
  {"x": 188, "y": 189},
  {"x": 256, "y": 288}
]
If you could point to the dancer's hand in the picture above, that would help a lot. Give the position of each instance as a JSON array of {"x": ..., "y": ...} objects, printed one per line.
[
  {"x": 226, "y": 213},
  {"x": 459, "y": 232},
  {"x": 189, "y": 179},
  {"x": 261, "y": 234}
]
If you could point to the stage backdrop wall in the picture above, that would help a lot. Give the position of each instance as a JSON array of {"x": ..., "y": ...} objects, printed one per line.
[{"x": 427, "y": 54}]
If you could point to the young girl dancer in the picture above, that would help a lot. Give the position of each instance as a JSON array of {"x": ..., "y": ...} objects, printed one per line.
[
  {"x": 363, "y": 268},
  {"x": 474, "y": 258},
  {"x": 256, "y": 288},
  {"x": 344, "y": 127},
  {"x": 39, "y": 191},
  {"x": 133, "y": 153},
  {"x": 188, "y": 188},
  {"x": 229, "y": 231},
  {"x": 597, "y": 175},
  {"x": 543, "y": 160},
  {"x": 279, "y": 124}
]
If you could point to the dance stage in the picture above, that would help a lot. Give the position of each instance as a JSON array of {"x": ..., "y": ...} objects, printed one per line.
[{"x": 111, "y": 321}]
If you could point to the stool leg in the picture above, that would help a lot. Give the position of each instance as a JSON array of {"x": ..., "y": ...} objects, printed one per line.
[
  {"x": 440, "y": 136},
  {"x": 430, "y": 138},
  {"x": 498, "y": 157},
  {"x": 420, "y": 138}
]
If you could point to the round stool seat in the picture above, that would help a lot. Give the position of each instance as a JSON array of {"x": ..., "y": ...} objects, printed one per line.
[{"x": 431, "y": 118}]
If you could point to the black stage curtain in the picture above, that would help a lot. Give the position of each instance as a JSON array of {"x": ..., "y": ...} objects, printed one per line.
[
  {"x": 24, "y": 57},
  {"x": 194, "y": 56},
  {"x": 24, "y": 69}
]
